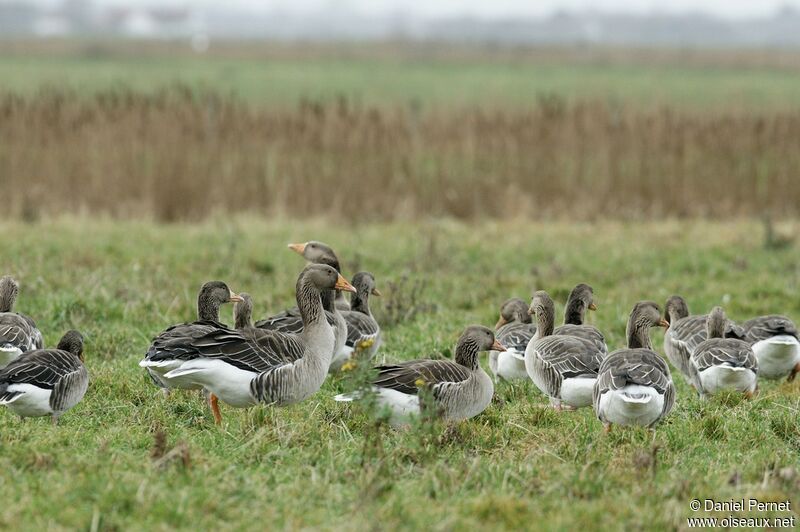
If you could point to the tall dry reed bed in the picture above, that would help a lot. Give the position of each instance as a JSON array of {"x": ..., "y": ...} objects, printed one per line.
[{"x": 178, "y": 155}]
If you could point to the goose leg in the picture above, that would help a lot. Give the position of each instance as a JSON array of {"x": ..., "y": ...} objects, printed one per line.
[
  {"x": 54, "y": 419},
  {"x": 607, "y": 427},
  {"x": 793, "y": 374},
  {"x": 214, "y": 403}
]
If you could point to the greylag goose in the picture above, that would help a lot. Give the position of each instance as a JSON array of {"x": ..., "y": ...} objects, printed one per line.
[
  {"x": 266, "y": 366},
  {"x": 460, "y": 389},
  {"x": 243, "y": 312},
  {"x": 634, "y": 385},
  {"x": 291, "y": 320},
  {"x": 46, "y": 382},
  {"x": 363, "y": 331},
  {"x": 18, "y": 333},
  {"x": 580, "y": 300},
  {"x": 514, "y": 330},
  {"x": 720, "y": 363},
  {"x": 563, "y": 367},
  {"x": 212, "y": 295},
  {"x": 686, "y": 332},
  {"x": 775, "y": 343},
  {"x": 319, "y": 253}
]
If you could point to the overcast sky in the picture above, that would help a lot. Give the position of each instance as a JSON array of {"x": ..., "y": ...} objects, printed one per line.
[{"x": 492, "y": 8}]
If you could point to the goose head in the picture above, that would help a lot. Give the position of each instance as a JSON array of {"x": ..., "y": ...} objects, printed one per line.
[
  {"x": 364, "y": 283},
  {"x": 72, "y": 342},
  {"x": 544, "y": 309},
  {"x": 324, "y": 277},
  {"x": 473, "y": 340},
  {"x": 716, "y": 323},
  {"x": 644, "y": 316},
  {"x": 315, "y": 252},
  {"x": 212, "y": 295},
  {"x": 675, "y": 309},
  {"x": 243, "y": 311},
  {"x": 513, "y": 309},
  {"x": 580, "y": 300},
  {"x": 9, "y": 288}
]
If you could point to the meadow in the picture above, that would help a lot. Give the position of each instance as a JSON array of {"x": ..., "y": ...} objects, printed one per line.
[{"x": 127, "y": 458}]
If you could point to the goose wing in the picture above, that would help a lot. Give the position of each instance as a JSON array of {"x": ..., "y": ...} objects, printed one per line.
[
  {"x": 586, "y": 332},
  {"x": 43, "y": 368},
  {"x": 409, "y": 377},
  {"x": 724, "y": 352},
  {"x": 636, "y": 366},
  {"x": 360, "y": 327},
  {"x": 289, "y": 321},
  {"x": 17, "y": 331},
  {"x": 765, "y": 327},
  {"x": 516, "y": 335},
  {"x": 570, "y": 356},
  {"x": 170, "y": 340}
]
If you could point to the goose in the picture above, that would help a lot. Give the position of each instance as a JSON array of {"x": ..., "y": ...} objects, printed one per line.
[
  {"x": 514, "y": 330},
  {"x": 580, "y": 300},
  {"x": 46, "y": 382},
  {"x": 686, "y": 332},
  {"x": 212, "y": 295},
  {"x": 363, "y": 331},
  {"x": 634, "y": 385},
  {"x": 291, "y": 320},
  {"x": 459, "y": 389},
  {"x": 723, "y": 363},
  {"x": 261, "y": 366},
  {"x": 563, "y": 367},
  {"x": 315, "y": 252},
  {"x": 775, "y": 343},
  {"x": 243, "y": 313},
  {"x": 18, "y": 333}
]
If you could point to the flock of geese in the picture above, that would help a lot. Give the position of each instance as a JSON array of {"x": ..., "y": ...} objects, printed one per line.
[{"x": 285, "y": 358}]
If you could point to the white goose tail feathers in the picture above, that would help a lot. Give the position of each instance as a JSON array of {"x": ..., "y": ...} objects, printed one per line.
[{"x": 348, "y": 397}]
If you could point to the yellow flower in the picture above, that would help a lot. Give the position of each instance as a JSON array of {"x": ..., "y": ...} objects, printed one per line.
[
  {"x": 349, "y": 365},
  {"x": 419, "y": 382}
]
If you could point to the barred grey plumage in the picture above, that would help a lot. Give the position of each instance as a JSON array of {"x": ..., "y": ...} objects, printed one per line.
[
  {"x": 763, "y": 327},
  {"x": 581, "y": 299},
  {"x": 18, "y": 333},
  {"x": 363, "y": 331}
]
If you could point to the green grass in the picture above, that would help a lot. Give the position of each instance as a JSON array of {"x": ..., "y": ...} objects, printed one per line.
[
  {"x": 282, "y": 81},
  {"x": 324, "y": 465}
]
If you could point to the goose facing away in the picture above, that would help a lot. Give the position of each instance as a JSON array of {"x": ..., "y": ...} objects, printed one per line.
[
  {"x": 363, "y": 331},
  {"x": 723, "y": 363},
  {"x": 581, "y": 299},
  {"x": 212, "y": 295},
  {"x": 563, "y": 367},
  {"x": 514, "y": 330},
  {"x": 46, "y": 382},
  {"x": 774, "y": 340},
  {"x": 459, "y": 389},
  {"x": 634, "y": 385},
  {"x": 320, "y": 253},
  {"x": 686, "y": 332},
  {"x": 243, "y": 368},
  {"x": 18, "y": 333}
]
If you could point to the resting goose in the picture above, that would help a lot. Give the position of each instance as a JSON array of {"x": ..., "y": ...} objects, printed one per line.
[
  {"x": 363, "y": 331},
  {"x": 211, "y": 296},
  {"x": 686, "y": 332},
  {"x": 634, "y": 385},
  {"x": 514, "y": 330},
  {"x": 245, "y": 368},
  {"x": 318, "y": 253},
  {"x": 291, "y": 320},
  {"x": 563, "y": 367},
  {"x": 18, "y": 333},
  {"x": 775, "y": 343},
  {"x": 720, "y": 363},
  {"x": 46, "y": 382},
  {"x": 460, "y": 389},
  {"x": 580, "y": 300}
]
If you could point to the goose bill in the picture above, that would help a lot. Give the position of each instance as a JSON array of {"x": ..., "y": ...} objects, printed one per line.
[
  {"x": 592, "y": 306},
  {"x": 502, "y": 321},
  {"x": 235, "y": 298},
  {"x": 497, "y": 346},
  {"x": 298, "y": 248},
  {"x": 342, "y": 284},
  {"x": 376, "y": 292},
  {"x": 663, "y": 323}
]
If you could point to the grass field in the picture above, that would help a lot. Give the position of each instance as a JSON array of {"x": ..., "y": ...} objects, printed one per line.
[
  {"x": 324, "y": 465},
  {"x": 398, "y": 74}
]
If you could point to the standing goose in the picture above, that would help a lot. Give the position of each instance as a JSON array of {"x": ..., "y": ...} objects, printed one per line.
[
  {"x": 634, "y": 385},
  {"x": 775, "y": 343},
  {"x": 563, "y": 367},
  {"x": 459, "y": 389},
  {"x": 316, "y": 253},
  {"x": 685, "y": 333},
  {"x": 514, "y": 330},
  {"x": 580, "y": 300},
  {"x": 363, "y": 332},
  {"x": 723, "y": 363},
  {"x": 212, "y": 295},
  {"x": 245, "y": 368},
  {"x": 291, "y": 320},
  {"x": 46, "y": 382},
  {"x": 18, "y": 333}
]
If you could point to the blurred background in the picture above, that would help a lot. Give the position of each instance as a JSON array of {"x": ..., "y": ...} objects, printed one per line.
[{"x": 386, "y": 110}]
